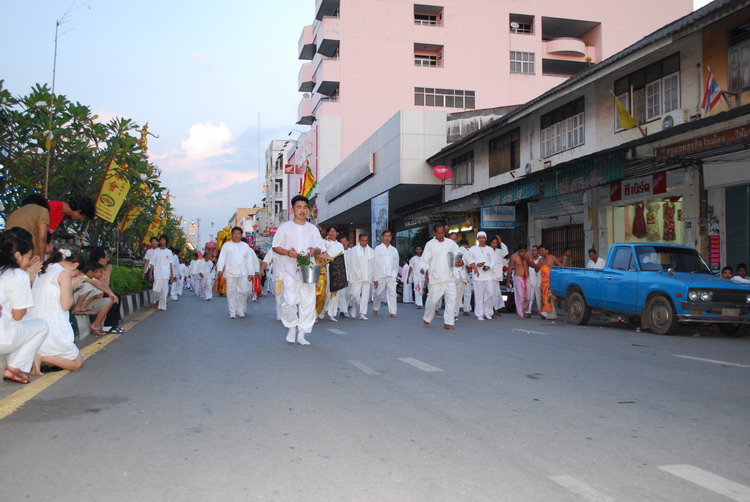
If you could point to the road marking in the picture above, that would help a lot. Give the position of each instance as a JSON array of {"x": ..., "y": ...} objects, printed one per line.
[
  {"x": 527, "y": 332},
  {"x": 363, "y": 367},
  {"x": 581, "y": 489},
  {"x": 711, "y": 361},
  {"x": 337, "y": 331},
  {"x": 13, "y": 402},
  {"x": 710, "y": 481},
  {"x": 419, "y": 364}
]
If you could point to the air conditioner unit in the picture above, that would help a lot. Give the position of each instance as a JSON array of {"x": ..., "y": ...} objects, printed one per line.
[{"x": 675, "y": 117}]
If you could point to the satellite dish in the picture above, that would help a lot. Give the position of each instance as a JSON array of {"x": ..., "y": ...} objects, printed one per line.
[
  {"x": 515, "y": 25},
  {"x": 306, "y": 95},
  {"x": 667, "y": 122}
]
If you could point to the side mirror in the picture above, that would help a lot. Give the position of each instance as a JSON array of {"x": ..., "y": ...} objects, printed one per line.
[{"x": 670, "y": 270}]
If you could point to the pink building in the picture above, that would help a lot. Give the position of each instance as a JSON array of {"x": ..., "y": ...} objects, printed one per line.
[{"x": 367, "y": 59}]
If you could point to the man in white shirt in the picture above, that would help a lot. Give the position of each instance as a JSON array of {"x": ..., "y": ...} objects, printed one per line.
[
  {"x": 237, "y": 265},
  {"x": 482, "y": 261},
  {"x": 535, "y": 282},
  {"x": 595, "y": 261},
  {"x": 295, "y": 237},
  {"x": 273, "y": 283},
  {"x": 185, "y": 273},
  {"x": 460, "y": 273},
  {"x": 161, "y": 261},
  {"x": 408, "y": 292},
  {"x": 206, "y": 274},
  {"x": 386, "y": 271},
  {"x": 333, "y": 249},
  {"x": 174, "y": 287},
  {"x": 195, "y": 279},
  {"x": 498, "y": 272},
  {"x": 147, "y": 274},
  {"x": 741, "y": 276},
  {"x": 439, "y": 259},
  {"x": 360, "y": 268},
  {"x": 344, "y": 293},
  {"x": 416, "y": 277}
]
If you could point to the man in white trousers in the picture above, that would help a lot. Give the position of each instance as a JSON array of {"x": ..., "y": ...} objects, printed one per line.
[
  {"x": 344, "y": 293},
  {"x": 206, "y": 274},
  {"x": 535, "y": 282},
  {"x": 360, "y": 266},
  {"x": 439, "y": 259},
  {"x": 386, "y": 271},
  {"x": 498, "y": 273},
  {"x": 416, "y": 277},
  {"x": 298, "y": 301},
  {"x": 482, "y": 261},
  {"x": 333, "y": 248},
  {"x": 195, "y": 279},
  {"x": 273, "y": 285},
  {"x": 461, "y": 274},
  {"x": 161, "y": 261},
  {"x": 237, "y": 265},
  {"x": 174, "y": 287},
  {"x": 408, "y": 293}
]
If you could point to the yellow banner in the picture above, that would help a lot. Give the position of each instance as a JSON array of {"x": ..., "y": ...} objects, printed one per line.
[
  {"x": 155, "y": 226},
  {"x": 133, "y": 211},
  {"x": 112, "y": 193}
]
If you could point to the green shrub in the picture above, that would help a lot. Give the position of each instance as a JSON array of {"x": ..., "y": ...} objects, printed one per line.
[{"x": 127, "y": 280}]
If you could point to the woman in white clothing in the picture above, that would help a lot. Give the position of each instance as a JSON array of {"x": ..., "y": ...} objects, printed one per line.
[
  {"x": 20, "y": 336},
  {"x": 53, "y": 298}
]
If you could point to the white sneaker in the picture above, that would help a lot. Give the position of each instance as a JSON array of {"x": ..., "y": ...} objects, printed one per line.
[
  {"x": 363, "y": 317},
  {"x": 301, "y": 339},
  {"x": 241, "y": 316},
  {"x": 480, "y": 318},
  {"x": 231, "y": 317},
  {"x": 333, "y": 319},
  {"x": 291, "y": 336}
]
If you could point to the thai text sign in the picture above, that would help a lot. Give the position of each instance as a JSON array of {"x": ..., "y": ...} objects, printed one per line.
[
  {"x": 638, "y": 188},
  {"x": 112, "y": 193},
  {"x": 493, "y": 217},
  {"x": 736, "y": 135}
]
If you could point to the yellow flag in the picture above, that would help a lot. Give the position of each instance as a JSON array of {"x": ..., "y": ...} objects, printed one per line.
[
  {"x": 133, "y": 211},
  {"x": 626, "y": 120},
  {"x": 155, "y": 226},
  {"x": 309, "y": 184},
  {"x": 112, "y": 193}
]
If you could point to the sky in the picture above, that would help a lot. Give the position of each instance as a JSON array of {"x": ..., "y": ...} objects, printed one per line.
[{"x": 199, "y": 73}]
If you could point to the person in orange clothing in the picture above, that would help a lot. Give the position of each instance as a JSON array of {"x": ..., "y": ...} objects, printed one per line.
[{"x": 545, "y": 267}]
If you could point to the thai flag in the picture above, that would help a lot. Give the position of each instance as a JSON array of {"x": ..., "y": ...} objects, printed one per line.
[{"x": 712, "y": 93}]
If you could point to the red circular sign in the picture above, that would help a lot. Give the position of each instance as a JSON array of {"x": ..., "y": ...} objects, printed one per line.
[{"x": 442, "y": 172}]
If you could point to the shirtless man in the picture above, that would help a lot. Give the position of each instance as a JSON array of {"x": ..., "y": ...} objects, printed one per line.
[
  {"x": 518, "y": 266},
  {"x": 545, "y": 267}
]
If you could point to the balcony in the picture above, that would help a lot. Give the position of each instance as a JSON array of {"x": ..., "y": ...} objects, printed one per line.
[
  {"x": 328, "y": 36},
  {"x": 306, "y": 46},
  {"x": 328, "y": 76},
  {"x": 305, "y": 112},
  {"x": 306, "y": 80},
  {"x": 566, "y": 46},
  {"x": 326, "y": 8}
]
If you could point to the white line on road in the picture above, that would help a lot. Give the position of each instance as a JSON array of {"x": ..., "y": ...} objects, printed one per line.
[
  {"x": 363, "y": 367},
  {"x": 337, "y": 331},
  {"x": 711, "y": 361},
  {"x": 710, "y": 481},
  {"x": 418, "y": 364},
  {"x": 527, "y": 332},
  {"x": 581, "y": 489}
]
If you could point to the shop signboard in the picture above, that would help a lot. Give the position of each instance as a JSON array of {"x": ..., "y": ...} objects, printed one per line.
[
  {"x": 379, "y": 217},
  {"x": 586, "y": 175},
  {"x": 638, "y": 188},
  {"x": 497, "y": 217},
  {"x": 722, "y": 138}
]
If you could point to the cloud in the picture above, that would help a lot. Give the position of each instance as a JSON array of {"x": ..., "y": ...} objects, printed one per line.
[{"x": 207, "y": 140}]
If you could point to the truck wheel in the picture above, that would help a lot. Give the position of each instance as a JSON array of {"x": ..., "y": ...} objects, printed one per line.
[
  {"x": 578, "y": 311},
  {"x": 661, "y": 316},
  {"x": 730, "y": 329}
]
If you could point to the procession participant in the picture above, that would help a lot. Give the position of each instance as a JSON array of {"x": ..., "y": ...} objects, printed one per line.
[
  {"x": 438, "y": 269},
  {"x": 53, "y": 298},
  {"x": 20, "y": 336},
  {"x": 460, "y": 273},
  {"x": 406, "y": 287},
  {"x": 273, "y": 279},
  {"x": 482, "y": 261},
  {"x": 469, "y": 289},
  {"x": 161, "y": 260},
  {"x": 545, "y": 267},
  {"x": 321, "y": 288},
  {"x": 416, "y": 277},
  {"x": 195, "y": 279},
  {"x": 386, "y": 271},
  {"x": 360, "y": 265},
  {"x": 237, "y": 266},
  {"x": 206, "y": 273},
  {"x": 333, "y": 249},
  {"x": 535, "y": 292},
  {"x": 32, "y": 216},
  {"x": 595, "y": 261},
  {"x": 298, "y": 301},
  {"x": 177, "y": 277},
  {"x": 185, "y": 274},
  {"x": 344, "y": 293},
  {"x": 148, "y": 272},
  {"x": 518, "y": 267},
  {"x": 498, "y": 273}
]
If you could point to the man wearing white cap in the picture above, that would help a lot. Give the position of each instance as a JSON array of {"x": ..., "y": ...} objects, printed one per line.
[
  {"x": 482, "y": 261},
  {"x": 439, "y": 259}
]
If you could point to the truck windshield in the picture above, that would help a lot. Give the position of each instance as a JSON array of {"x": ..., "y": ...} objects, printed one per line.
[{"x": 658, "y": 258}]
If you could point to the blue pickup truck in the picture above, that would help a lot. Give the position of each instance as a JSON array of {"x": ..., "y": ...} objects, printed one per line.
[{"x": 658, "y": 286}]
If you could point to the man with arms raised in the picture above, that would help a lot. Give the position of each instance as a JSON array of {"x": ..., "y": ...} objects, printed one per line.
[{"x": 293, "y": 238}]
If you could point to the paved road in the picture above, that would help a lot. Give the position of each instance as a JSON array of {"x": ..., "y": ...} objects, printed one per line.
[{"x": 190, "y": 405}]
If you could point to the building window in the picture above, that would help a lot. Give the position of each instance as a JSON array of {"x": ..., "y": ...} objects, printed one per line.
[
  {"x": 521, "y": 23},
  {"x": 429, "y": 55},
  {"x": 444, "y": 98},
  {"x": 463, "y": 169},
  {"x": 277, "y": 208},
  {"x": 428, "y": 15},
  {"x": 522, "y": 62},
  {"x": 505, "y": 153},
  {"x": 650, "y": 92},
  {"x": 425, "y": 60},
  {"x": 563, "y": 128},
  {"x": 278, "y": 186},
  {"x": 738, "y": 67}
]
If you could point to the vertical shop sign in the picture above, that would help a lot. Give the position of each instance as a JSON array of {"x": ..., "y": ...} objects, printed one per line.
[{"x": 714, "y": 246}]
